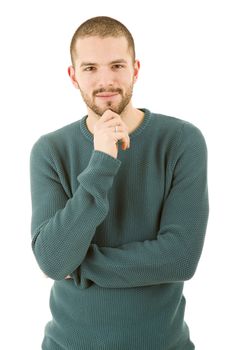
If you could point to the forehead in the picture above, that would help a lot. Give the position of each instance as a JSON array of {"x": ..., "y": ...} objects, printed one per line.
[{"x": 96, "y": 49}]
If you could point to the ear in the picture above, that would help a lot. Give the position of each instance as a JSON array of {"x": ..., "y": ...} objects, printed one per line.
[
  {"x": 71, "y": 72},
  {"x": 136, "y": 70}
]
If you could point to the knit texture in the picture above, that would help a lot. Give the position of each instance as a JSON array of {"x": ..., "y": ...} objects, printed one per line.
[{"x": 129, "y": 231}]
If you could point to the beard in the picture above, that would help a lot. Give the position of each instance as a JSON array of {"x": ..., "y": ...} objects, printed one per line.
[{"x": 117, "y": 108}]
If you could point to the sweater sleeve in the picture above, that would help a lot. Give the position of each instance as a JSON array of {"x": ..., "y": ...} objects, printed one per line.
[
  {"x": 174, "y": 254},
  {"x": 62, "y": 227}
]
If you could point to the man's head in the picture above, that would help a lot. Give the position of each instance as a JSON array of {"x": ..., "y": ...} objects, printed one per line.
[
  {"x": 103, "y": 64},
  {"x": 102, "y": 27}
]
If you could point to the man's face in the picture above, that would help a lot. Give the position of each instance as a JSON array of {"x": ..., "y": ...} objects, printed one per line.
[{"x": 104, "y": 73}]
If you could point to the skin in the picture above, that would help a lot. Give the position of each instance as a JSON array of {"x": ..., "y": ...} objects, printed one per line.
[{"x": 106, "y": 85}]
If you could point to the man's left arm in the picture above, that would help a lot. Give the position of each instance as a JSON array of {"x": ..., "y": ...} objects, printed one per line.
[{"x": 174, "y": 254}]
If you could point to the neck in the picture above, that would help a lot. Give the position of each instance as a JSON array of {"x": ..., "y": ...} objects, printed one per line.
[{"x": 131, "y": 116}]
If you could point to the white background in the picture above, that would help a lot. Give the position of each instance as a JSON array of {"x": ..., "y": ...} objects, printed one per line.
[{"x": 185, "y": 49}]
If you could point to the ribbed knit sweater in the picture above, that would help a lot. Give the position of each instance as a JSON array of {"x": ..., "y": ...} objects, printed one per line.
[{"x": 129, "y": 230}]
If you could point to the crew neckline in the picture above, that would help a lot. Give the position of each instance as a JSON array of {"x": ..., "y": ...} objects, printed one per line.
[{"x": 136, "y": 132}]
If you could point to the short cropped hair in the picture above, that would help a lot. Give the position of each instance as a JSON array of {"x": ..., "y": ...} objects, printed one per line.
[{"x": 103, "y": 27}]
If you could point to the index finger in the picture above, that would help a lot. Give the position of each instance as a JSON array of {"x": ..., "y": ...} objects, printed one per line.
[{"x": 109, "y": 114}]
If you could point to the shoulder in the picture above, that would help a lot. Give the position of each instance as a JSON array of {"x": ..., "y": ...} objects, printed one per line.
[
  {"x": 176, "y": 138},
  {"x": 171, "y": 123},
  {"x": 63, "y": 133},
  {"x": 177, "y": 128},
  {"x": 57, "y": 139}
]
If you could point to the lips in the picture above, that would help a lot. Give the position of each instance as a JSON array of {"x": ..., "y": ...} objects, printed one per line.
[{"x": 107, "y": 94}]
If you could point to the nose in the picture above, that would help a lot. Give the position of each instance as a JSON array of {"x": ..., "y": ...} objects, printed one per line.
[{"x": 105, "y": 78}]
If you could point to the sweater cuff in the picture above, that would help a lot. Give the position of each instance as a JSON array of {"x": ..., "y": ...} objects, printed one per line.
[
  {"x": 99, "y": 174},
  {"x": 103, "y": 160}
]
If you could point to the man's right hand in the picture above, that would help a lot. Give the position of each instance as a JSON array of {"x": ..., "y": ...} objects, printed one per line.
[{"x": 105, "y": 137}]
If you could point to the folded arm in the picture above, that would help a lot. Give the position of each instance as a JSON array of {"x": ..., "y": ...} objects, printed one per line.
[
  {"x": 174, "y": 254},
  {"x": 61, "y": 227}
]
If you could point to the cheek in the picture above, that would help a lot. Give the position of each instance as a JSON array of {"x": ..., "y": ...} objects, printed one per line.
[
  {"x": 86, "y": 86},
  {"x": 126, "y": 78}
]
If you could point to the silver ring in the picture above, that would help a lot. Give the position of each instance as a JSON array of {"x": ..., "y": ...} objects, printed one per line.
[{"x": 116, "y": 128}]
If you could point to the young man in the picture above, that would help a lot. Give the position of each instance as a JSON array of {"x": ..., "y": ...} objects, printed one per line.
[{"x": 119, "y": 208}]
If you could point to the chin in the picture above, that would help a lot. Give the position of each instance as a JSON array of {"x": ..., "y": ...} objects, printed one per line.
[{"x": 101, "y": 111}]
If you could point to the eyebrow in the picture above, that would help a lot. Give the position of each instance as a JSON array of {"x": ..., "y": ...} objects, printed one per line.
[{"x": 83, "y": 64}]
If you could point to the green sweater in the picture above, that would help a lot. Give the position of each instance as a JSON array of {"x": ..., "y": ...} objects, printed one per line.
[{"x": 129, "y": 231}]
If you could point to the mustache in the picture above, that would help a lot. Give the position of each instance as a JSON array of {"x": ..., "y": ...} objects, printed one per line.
[{"x": 107, "y": 90}]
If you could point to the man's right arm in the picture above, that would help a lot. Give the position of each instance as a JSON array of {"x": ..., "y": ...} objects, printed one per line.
[{"x": 62, "y": 228}]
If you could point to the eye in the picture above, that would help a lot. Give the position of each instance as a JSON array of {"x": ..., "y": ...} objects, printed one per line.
[
  {"x": 118, "y": 66},
  {"x": 89, "y": 69}
]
